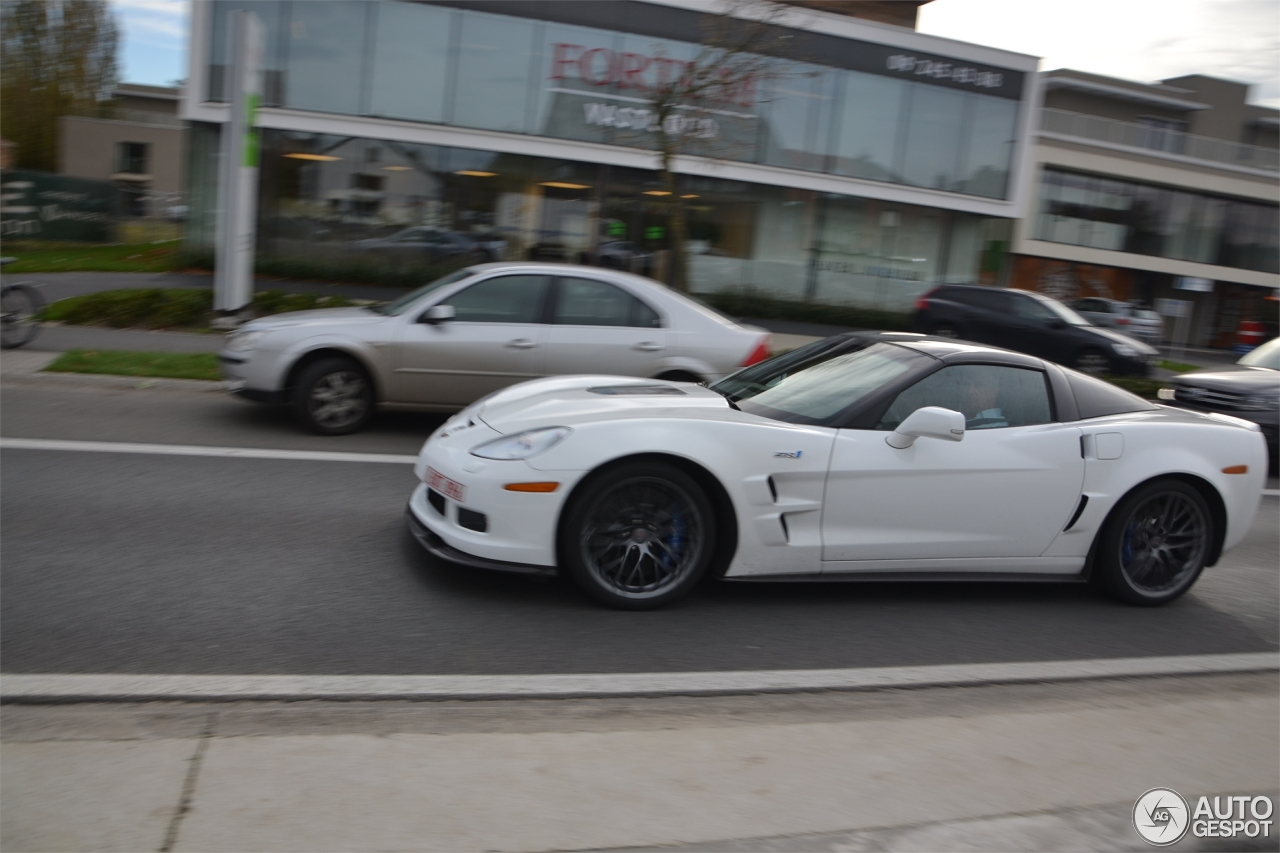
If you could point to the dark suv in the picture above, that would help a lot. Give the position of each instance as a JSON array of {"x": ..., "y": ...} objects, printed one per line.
[{"x": 1032, "y": 323}]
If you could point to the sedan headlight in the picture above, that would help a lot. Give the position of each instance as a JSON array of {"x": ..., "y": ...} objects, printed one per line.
[
  {"x": 1124, "y": 350},
  {"x": 522, "y": 445},
  {"x": 243, "y": 341}
]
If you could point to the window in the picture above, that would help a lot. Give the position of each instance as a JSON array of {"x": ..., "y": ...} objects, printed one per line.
[
  {"x": 131, "y": 157},
  {"x": 585, "y": 302},
  {"x": 987, "y": 300},
  {"x": 506, "y": 299},
  {"x": 494, "y": 72},
  {"x": 989, "y": 397},
  {"x": 373, "y": 183},
  {"x": 410, "y": 62},
  {"x": 1029, "y": 308},
  {"x": 326, "y": 55}
]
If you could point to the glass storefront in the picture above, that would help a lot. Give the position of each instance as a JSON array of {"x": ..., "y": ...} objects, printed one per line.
[
  {"x": 1125, "y": 216},
  {"x": 346, "y": 200},
  {"x": 909, "y": 121}
]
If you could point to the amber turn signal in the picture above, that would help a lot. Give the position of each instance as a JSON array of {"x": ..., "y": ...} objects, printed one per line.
[
  {"x": 531, "y": 487},
  {"x": 1236, "y": 469}
]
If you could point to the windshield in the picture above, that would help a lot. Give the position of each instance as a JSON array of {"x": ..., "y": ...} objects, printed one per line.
[
  {"x": 1267, "y": 355},
  {"x": 402, "y": 304},
  {"x": 819, "y": 383}
]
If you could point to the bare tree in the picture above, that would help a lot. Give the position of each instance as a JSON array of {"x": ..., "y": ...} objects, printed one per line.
[
  {"x": 693, "y": 101},
  {"x": 57, "y": 57}
]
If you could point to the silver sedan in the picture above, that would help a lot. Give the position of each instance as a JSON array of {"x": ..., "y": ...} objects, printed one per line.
[{"x": 445, "y": 345}]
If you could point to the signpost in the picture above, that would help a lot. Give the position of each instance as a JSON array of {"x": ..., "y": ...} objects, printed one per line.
[
  {"x": 1180, "y": 311},
  {"x": 238, "y": 178}
]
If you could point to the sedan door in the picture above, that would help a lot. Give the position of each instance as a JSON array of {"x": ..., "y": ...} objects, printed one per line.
[
  {"x": 1005, "y": 491},
  {"x": 494, "y": 340},
  {"x": 598, "y": 327}
]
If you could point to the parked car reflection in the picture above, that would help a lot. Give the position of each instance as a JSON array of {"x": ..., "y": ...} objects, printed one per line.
[{"x": 424, "y": 242}]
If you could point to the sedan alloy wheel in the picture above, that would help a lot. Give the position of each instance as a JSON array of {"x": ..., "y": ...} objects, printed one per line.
[{"x": 334, "y": 397}]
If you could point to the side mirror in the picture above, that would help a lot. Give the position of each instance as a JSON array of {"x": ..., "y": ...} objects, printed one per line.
[
  {"x": 931, "y": 422},
  {"x": 1057, "y": 324},
  {"x": 438, "y": 314}
]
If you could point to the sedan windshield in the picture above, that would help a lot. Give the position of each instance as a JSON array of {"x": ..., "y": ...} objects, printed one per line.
[
  {"x": 821, "y": 380},
  {"x": 403, "y": 304}
]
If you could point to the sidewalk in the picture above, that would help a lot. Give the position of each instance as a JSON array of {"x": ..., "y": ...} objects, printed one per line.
[{"x": 996, "y": 767}]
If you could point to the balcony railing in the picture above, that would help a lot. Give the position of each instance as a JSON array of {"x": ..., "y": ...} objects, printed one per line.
[
  {"x": 137, "y": 117},
  {"x": 1158, "y": 140}
]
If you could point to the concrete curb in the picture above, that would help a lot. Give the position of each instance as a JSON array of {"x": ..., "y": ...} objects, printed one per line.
[
  {"x": 98, "y": 381},
  {"x": 51, "y": 688}
]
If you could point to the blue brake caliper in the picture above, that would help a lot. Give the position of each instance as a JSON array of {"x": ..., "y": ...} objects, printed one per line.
[{"x": 676, "y": 540}]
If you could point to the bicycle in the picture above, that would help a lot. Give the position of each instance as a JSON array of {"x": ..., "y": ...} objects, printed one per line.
[{"x": 20, "y": 309}]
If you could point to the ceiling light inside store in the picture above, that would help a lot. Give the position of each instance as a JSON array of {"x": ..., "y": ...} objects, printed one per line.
[
  {"x": 397, "y": 168},
  {"x": 323, "y": 158},
  {"x": 475, "y": 173},
  {"x": 691, "y": 195},
  {"x": 656, "y": 192},
  {"x": 562, "y": 185}
]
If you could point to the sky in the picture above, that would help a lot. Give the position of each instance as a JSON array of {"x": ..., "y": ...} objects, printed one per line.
[{"x": 1142, "y": 40}]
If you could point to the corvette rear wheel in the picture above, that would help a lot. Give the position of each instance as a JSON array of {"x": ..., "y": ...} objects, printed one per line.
[
  {"x": 1155, "y": 543},
  {"x": 638, "y": 536}
]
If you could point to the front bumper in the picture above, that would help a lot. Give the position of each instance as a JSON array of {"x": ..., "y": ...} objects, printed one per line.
[
  {"x": 252, "y": 375},
  {"x": 437, "y": 547}
]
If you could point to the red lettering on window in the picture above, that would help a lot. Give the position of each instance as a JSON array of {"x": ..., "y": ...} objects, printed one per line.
[
  {"x": 587, "y": 60},
  {"x": 560, "y": 58},
  {"x": 633, "y": 66}
]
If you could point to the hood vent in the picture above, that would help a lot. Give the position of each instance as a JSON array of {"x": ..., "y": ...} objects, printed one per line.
[{"x": 638, "y": 391}]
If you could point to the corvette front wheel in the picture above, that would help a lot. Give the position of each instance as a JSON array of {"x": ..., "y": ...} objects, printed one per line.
[{"x": 638, "y": 536}]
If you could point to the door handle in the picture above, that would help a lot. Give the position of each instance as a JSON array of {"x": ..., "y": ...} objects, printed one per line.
[
  {"x": 522, "y": 343},
  {"x": 648, "y": 346}
]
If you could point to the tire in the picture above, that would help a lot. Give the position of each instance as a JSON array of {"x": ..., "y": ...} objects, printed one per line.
[
  {"x": 1094, "y": 362},
  {"x": 638, "y": 536},
  {"x": 1154, "y": 543},
  {"x": 334, "y": 396},
  {"x": 945, "y": 330},
  {"x": 20, "y": 308}
]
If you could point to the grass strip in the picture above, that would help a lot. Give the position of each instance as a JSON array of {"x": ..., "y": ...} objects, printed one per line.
[
  {"x": 1176, "y": 366},
  {"x": 184, "y": 309},
  {"x": 163, "y": 365},
  {"x": 35, "y": 256}
]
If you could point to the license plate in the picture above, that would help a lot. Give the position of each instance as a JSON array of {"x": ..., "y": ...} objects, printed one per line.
[{"x": 445, "y": 486}]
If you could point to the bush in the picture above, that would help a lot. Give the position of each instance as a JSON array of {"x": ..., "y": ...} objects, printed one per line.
[
  {"x": 771, "y": 308},
  {"x": 369, "y": 269},
  {"x": 172, "y": 309}
]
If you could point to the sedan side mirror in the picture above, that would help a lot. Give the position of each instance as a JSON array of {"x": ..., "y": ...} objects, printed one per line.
[
  {"x": 931, "y": 422},
  {"x": 438, "y": 314}
]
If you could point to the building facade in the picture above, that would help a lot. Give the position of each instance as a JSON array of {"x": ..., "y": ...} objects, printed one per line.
[
  {"x": 141, "y": 150},
  {"x": 1164, "y": 193},
  {"x": 871, "y": 162}
]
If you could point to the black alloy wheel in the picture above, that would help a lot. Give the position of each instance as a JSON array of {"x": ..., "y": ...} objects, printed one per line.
[
  {"x": 334, "y": 396},
  {"x": 1155, "y": 543},
  {"x": 638, "y": 536},
  {"x": 1094, "y": 362}
]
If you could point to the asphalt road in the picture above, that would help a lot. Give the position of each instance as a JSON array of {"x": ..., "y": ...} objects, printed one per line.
[{"x": 162, "y": 564}]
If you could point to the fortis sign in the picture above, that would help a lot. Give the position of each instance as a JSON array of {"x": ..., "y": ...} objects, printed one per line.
[{"x": 600, "y": 66}]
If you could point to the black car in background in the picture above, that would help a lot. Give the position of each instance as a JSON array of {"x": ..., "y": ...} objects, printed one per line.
[
  {"x": 1032, "y": 323},
  {"x": 1248, "y": 389}
]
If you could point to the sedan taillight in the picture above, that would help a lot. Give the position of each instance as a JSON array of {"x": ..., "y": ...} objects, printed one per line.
[{"x": 757, "y": 355}]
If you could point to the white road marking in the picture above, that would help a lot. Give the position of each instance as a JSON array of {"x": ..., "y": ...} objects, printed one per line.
[
  {"x": 120, "y": 688},
  {"x": 195, "y": 450}
]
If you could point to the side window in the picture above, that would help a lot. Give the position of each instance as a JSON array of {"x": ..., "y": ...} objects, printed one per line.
[
  {"x": 988, "y": 396},
  {"x": 587, "y": 302},
  {"x": 981, "y": 299},
  {"x": 1031, "y": 309},
  {"x": 506, "y": 299}
]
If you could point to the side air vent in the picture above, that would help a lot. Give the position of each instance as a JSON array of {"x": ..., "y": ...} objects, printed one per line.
[
  {"x": 786, "y": 533},
  {"x": 1084, "y": 501},
  {"x": 773, "y": 489}
]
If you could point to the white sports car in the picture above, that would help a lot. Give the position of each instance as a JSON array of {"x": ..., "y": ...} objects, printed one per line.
[{"x": 863, "y": 456}]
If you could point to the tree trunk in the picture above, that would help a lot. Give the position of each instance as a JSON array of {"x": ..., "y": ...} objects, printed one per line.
[{"x": 678, "y": 275}]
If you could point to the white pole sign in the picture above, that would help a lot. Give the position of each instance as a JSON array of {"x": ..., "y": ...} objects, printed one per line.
[{"x": 238, "y": 181}]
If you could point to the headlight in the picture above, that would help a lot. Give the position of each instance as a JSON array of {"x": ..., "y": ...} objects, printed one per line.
[
  {"x": 1167, "y": 394},
  {"x": 1124, "y": 349},
  {"x": 243, "y": 341},
  {"x": 522, "y": 445}
]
